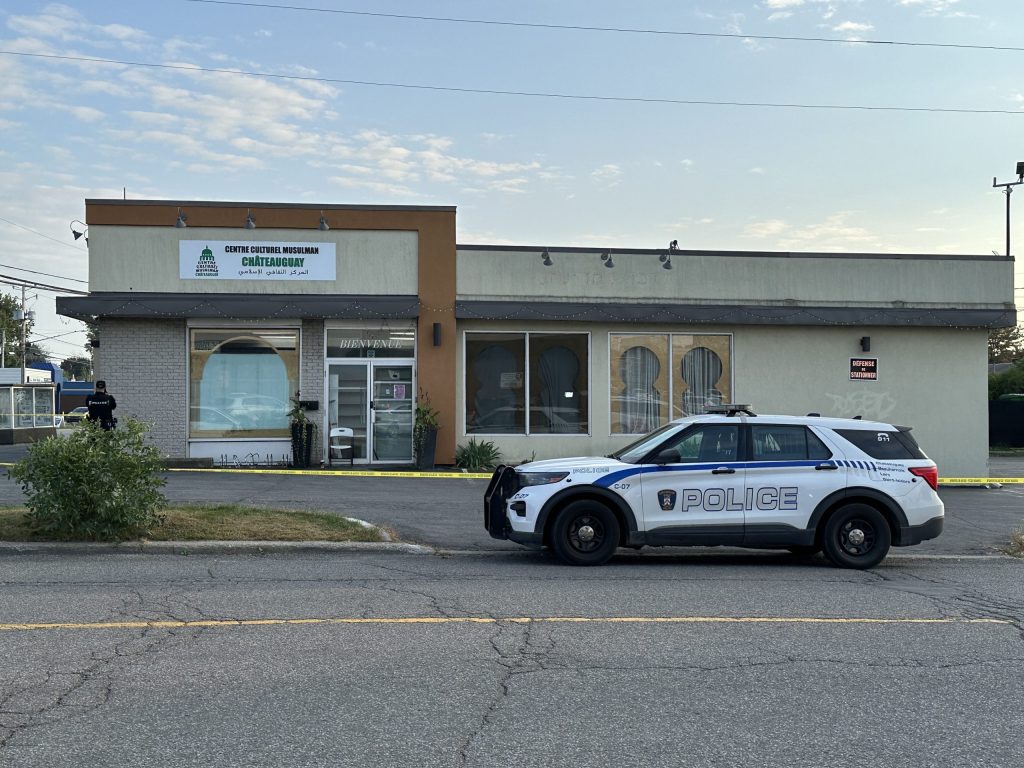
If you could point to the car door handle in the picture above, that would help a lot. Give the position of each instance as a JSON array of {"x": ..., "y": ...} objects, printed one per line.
[
  {"x": 827, "y": 466},
  {"x": 723, "y": 471}
]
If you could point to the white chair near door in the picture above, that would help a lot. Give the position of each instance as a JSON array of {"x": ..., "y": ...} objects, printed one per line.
[{"x": 341, "y": 445}]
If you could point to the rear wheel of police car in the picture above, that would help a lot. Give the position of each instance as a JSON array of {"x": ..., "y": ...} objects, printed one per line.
[
  {"x": 584, "y": 533},
  {"x": 856, "y": 536}
]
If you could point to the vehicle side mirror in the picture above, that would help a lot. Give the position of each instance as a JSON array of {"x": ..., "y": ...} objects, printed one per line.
[{"x": 666, "y": 456}]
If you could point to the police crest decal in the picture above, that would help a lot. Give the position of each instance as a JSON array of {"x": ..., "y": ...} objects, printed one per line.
[{"x": 667, "y": 500}]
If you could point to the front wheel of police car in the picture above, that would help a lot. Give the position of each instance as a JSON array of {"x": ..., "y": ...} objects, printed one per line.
[
  {"x": 856, "y": 536},
  {"x": 585, "y": 533}
]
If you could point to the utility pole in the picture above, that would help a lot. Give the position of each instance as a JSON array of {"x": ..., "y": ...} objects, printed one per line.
[
  {"x": 1008, "y": 190},
  {"x": 25, "y": 316}
]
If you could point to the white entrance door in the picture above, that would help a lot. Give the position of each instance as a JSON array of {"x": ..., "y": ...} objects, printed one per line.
[{"x": 373, "y": 399}]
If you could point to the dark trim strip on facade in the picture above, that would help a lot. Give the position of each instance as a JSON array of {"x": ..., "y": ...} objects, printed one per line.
[
  {"x": 237, "y": 305},
  {"x": 235, "y": 204},
  {"x": 756, "y": 254},
  {"x": 729, "y": 314}
]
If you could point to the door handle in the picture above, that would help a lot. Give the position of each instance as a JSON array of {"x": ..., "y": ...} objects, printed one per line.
[
  {"x": 827, "y": 466},
  {"x": 723, "y": 471}
]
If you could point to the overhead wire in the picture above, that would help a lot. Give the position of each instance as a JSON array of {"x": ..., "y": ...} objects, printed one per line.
[
  {"x": 626, "y": 30},
  {"x": 497, "y": 92},
  {"x": 34, "y": 232}
]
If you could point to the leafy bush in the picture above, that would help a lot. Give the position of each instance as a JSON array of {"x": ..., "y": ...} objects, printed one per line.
[
  {"x": 93, "y": 484},
  {"x": 476, "y": 456},
  {"x": 1007, "y": 382}
]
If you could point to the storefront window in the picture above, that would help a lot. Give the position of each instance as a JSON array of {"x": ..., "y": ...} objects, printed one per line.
[
  {"x": 639, "y": 382},
  {"x": 558, "y": 383},
  {"x": 495, "y": 383},
  {"x": 649, "y": 371},
  {"x": 241, "y": 382},
  {"x": 500, "y": 386},
  {"x": 701, "y": 373}
]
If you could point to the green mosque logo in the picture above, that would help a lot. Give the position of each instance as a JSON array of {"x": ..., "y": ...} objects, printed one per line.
[{"x": 207, "y": 265}]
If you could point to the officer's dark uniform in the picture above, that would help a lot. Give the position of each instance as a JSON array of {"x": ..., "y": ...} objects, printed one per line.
[{"x": 101, "y": 406}]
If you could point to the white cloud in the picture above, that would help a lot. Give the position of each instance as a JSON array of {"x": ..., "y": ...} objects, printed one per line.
[
  {"x": 607, "y": 175},
  {"x": 757, "y": 170},
  {"x": 61, "y": 22},
  {"x": 833, "y": 234},
  {"x": 933, "y": 7},
  {"x": 852, "y": 26}
]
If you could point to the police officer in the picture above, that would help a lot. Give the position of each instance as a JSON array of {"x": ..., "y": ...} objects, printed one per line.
[{"x": 101, "y": 406}]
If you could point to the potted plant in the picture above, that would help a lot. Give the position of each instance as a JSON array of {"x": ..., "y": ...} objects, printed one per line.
[
  {"x": 302, "y": 434},
  {"x": 424, "y": 432}
]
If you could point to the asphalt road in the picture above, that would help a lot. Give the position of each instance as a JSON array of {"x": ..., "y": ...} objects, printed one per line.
[
  {"x": 443, "y": 690},
  {"x": 448, "y": 513}
]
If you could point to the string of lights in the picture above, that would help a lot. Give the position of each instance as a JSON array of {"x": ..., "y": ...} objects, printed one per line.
[{"x": 525, "y": 94}]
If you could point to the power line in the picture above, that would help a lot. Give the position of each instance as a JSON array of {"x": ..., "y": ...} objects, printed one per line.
[
  {"x": 494, "y": 92},
  {"x": 628, "y": 30},
  {"x": 28, "y": 229},
  {"x": 14, "y": 280},
  {"x": 34, "y": 271}
]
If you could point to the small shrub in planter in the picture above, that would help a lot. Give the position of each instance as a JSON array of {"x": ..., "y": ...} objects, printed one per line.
[
  {"x": 94, "y": 484},
  {"x": 477, "y": 457}
]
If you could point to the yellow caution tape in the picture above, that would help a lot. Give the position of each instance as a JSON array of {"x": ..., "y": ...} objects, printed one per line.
[
  {"x": 339, "y": 472},
  {"x": 979, "y": 480}
]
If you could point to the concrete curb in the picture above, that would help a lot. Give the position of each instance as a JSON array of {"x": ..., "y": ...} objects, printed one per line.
[{"x": 209, "y": 547}]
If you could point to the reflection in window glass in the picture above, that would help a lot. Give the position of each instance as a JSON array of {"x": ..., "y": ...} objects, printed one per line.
[
  {"x": 44, "y": 407},
  {"x": 702, "y": 373},
  {"x": 639, "y": 382},
  {"x": 558, "y": 383},
  {"x": 707, "y": 444},
  {"x": 241, "y": 382},
  {"x": 6, "y": 401},
  {"x": 495, "y": 383},
  {"x": 24, "y": 406}
]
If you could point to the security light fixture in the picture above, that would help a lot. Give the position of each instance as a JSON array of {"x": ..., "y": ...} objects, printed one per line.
[
  {"x": 1020, "y": 170},
  {"x": 865, "y": 343},
  {"x": 324, "y": 226},
  {"x": 83, "y": 233},
  {"x": 182, "y": 218},
  {"x": 606, "y": 257},
  {"x": 250, "y": 222},
  {"x": 666, "y": 258},
  {"x": 546, "y": 258}
]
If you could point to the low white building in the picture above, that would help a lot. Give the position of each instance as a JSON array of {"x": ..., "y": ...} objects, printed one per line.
[{"x": 208, "y": 330}]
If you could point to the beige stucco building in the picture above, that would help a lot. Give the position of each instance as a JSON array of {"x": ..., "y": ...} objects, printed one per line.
[{"x": 208, "y": 330}]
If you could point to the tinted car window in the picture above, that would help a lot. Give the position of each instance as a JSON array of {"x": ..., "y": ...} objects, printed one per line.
[
  {"x": 786, "y": 443},
  {"x": 883, "y": 444},
  {"x": 708, "y": 443}
]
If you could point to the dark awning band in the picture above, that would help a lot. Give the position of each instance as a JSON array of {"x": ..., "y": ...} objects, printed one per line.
[
  {"x": 235, "y": 305},
  {"x": 729, "y": 314}
]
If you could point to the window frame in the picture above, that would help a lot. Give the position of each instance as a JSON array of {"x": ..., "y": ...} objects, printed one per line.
[
  {"x": 526, "y": 384},
  {"x": 670, "y": 398},
  {"x": 240, "y": 327}
]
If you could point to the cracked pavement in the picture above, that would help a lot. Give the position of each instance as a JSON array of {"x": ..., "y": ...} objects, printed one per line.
[{"x": 508, "y": 691}]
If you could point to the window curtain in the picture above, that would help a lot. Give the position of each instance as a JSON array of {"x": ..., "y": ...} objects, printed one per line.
[
  {"x": 641, "y": 401},
  {"x": 701, "y": 370},
  {"x": 559, "y": 399}
]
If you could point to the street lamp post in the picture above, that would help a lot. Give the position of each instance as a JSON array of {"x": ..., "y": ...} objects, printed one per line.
[{"x": 1008, "y": 190}]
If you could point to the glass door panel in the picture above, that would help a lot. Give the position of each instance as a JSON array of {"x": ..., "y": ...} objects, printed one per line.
[
  {"x": 348, "y": 406},
  {"x": 392, "y": 413}
]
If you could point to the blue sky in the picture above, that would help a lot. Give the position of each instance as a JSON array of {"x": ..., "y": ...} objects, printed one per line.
[{"x": 522, "y": 170}]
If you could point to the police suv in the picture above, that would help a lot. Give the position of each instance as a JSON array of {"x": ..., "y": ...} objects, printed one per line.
[{"x": 848, "y": 487}]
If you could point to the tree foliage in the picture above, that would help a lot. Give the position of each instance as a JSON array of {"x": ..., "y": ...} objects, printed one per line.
[
  {"x": 93, "y": 484},
  {"x": 1006, "y": 345},
  {"x": 1008, "y": 382},
  {"x": 79, "y": 368}
]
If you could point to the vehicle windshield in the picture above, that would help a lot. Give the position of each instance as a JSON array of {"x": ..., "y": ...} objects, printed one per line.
[{"x": 635, "y": 451}]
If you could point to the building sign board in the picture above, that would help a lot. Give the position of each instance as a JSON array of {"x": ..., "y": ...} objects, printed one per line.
[
  {"x": 249, "y": 260},
  {"x": 863, "y": 369}
]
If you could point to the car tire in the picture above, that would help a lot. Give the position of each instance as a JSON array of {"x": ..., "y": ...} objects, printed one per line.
[
  {"x": 856, "y": 536},
  {"x": 584, "y": 533}
]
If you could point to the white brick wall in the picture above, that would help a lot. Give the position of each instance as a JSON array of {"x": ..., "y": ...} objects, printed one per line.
[
  {"x": 311, "y": 378},
  {"x": 144, "y": 365}
]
